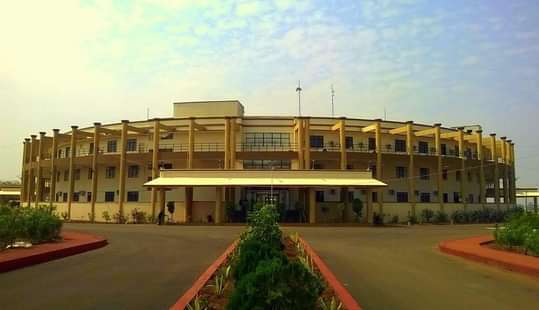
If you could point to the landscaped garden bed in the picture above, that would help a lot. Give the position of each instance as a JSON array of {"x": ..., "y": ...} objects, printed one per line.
[
  {"x": 519, "y": 234},
  {"x": 266, "y": 270}
]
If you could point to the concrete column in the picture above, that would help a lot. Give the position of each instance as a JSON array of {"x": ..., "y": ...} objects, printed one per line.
[
  {"x": 505, "y": 171},
  {"x": 31, "y": 180},
  {"x": 227, "y": 143},
  {"x": 411, "y": 165},
  {"x": 463, "y": 171},
  {"x": 54, "y": 153},
  {"x": 233, "y": 143},
  {"x": 155, "y": 162},
  {"x": 369, "y": 213},
  {"x": 345, "y": 201},
  {"x": 24, "y": 176},
  {"x": 299, "y": 143},
  {"x": 191, "y": 145},
  {"x": 123, "y": 167},
  {"x": 39, "y": 183},
  {"x": 312, "y": 205},
  {"x": 342, "y": 142},
  {"x": 494, "y": 157},
  {"x": 513, "y": 175},
  {"x": 95, "y": 169},
  {"x": 73, "y": 150},
  {"x": 307, "y": 143},
  {"x": 218, "y": 205},
  {"x": 439, "y": 178},
  {"x": 188, "y": 204},
  {"x": 483, "y": 193},
  {"x": 379, "y": 169}
]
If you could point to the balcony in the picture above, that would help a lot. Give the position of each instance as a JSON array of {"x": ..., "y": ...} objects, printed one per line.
[
  {"x": 197, "y": 147},
  {"x": 389, "y": 148},
  {"x": 359, "y": 148},
  {"x": 326, "y": 147}
]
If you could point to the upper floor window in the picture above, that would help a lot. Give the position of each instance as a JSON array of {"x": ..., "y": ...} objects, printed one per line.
[
  {"x": 110, "y": 172},
  {"x": 372, "y": 144},
  {"x": 267, "y": 138},
  {"x": 132, "y": 171},
  {"x": 349, "y": 142},
  {"x": 68, "y": 152},
  {"x": 266, "y": 164},
  {"x": 402, "y": 196},
  {"x": 90, "y": 173},
  {"x": 400, "y": 145},
  {"x": 424, "y": 173},
  {"x": 131, "y": 145},
  {"x": 91, "y": 148},
  {"x": 317, "y": 141},
  {"x": 423, "y": 147},
  {"x": 112, "y": 146},
  {"x": 400, "y": 172},
  {"x": 444, "y": 174},
  {"x": 60, "y": 153},
  {"x": 443, "y": 147}
]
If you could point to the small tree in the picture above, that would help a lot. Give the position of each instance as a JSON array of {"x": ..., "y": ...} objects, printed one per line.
[
  {"x": 106, "y": 216},
  {"x": 357, "y": 207}
]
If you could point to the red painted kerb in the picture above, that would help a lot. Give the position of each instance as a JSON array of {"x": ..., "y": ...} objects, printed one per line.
[
  {"x": 347, "y": 300},
  {"x": 72, "y": 243},
  {"x": 474, "y": 249}
]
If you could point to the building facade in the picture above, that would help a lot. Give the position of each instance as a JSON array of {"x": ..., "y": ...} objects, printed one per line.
[{"x": 86, "y": 171}]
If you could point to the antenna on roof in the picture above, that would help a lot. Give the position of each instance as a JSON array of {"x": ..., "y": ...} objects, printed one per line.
[
  {"x": 147, "y": 113},
  {"x": 385, "y": 114},
  {"x": 298, "y": 90},
  {"x": 332, "y": 104}
]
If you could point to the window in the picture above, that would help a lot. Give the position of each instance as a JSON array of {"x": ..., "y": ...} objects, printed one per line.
[
  {"x": 349, "y": 142},
  {"x": 317, "y": 141},
  {"x": 424, "y": 173},
  {"x": 88, "y": 196},
  {"x": 423, "y": 147},
  {"x": 446, "y": 197},
  {"x": 402, "y": 196},
  {"x": 468, "y": 153},
  {"x": 319, "y": 196},
  {"x": 132, "y": 172},
  {"x": 91, "y": 148},
  {"x": 110, "y": 172},
  {"x": 90, "y": 173},
  {"x": 470, "y": 179},
  {"x": 400, "y": 145},
  {"x": 68, "y": 152},
  {"x": 267, "y": 138},
  {"x": 76, "y": 196},
  {"x": 60, "y": 153},
  {"x": 76, "y": 174},
  {"x": 443, "y": 147},
  {"x": 317, "y": 165},
  {"x": 424, "y": 197},
  {"x": 444, "y": 174},
  {"x": 456, "y": 197},
  {"x": 132, "y": 196},
  {"x": 58, "y": 176},
  {"x": 64, "y": 197},
  {"x": 470, "y": 198},
  {"x": 374, "y": 196},
  {"x": 111, "y": 146},
  {"x": 266, "y": 164},
  {"x": 458, "y": 175},
  {"x": 66, "y": 175},
  {"x": 109, "y": 196},
  {"x": 372, "y": 144},
  {"x": 167, "y": 166},
  {"x": 400, "y": 172},
  {"x": 131, "y": 145}
]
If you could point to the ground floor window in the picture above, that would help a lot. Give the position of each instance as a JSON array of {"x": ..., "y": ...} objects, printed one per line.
[
  {"x": 319, "y": 196},
  {"x": 132, "y": 196},
  {"x": 374, "y": 196},
  {"x": 446, "y": 197},
  {"x": 424, "y": 197},
  {"x": 76, "y": 197},
  {"x": 64, "y": 197},
  {"x": 266, "y": 164},
  {"x": 109, "y": 196},
  {"x": 402, "y": 196},
  {"x": 89, "y": 196},
  {"x": 456, "y": 197}
]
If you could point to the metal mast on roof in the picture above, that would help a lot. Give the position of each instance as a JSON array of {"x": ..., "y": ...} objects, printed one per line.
[
  {"x": 298, "y": 90},
  {"x": 332, "y": 105}
]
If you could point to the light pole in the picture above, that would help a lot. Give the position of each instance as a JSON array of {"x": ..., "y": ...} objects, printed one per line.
[{"x": 298, "y": 90}]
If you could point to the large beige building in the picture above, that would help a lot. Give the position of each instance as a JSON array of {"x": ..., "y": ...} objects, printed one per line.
[{"x": 213, "y": 162}]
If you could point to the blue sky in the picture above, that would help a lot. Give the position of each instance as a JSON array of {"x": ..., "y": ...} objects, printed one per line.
[{"x": 455, "y": 62}]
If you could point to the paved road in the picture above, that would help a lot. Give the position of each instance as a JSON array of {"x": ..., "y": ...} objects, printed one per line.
[
  {"x": 143, "y": 267},
  {"x": 149, "y": 267},
  {"x": 401, "y": 268}
]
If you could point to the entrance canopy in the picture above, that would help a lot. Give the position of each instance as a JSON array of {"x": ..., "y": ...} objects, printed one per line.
[
  {"x": 527, "y": 192},
  {"x": 264, "y": 178}
]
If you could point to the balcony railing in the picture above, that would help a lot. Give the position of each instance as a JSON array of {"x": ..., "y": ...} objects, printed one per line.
[
  {"x": 282, "y": 147},
  {"x": 197, "y": 147},
  {"x": 360, "y": 148},
  {"x": 326, "y": 147}
]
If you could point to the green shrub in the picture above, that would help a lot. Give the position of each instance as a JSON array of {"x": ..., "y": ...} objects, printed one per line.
[
  {"x": 440, "y": 217},
  {"x": 426, "y": 215},
  {"x": 139, "y": 217},
  {"x": 252, "y": 252},
  {"x": 522, "y": 230},
  {"x": 37, "y": 225},
  {"x": 264, "y": 227},
  {"x": 277, "y": 284}
]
